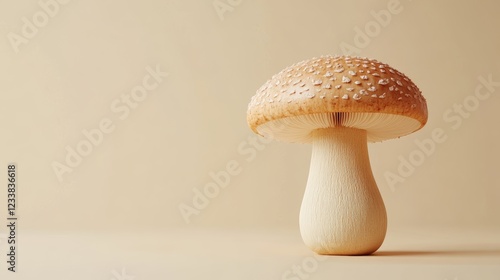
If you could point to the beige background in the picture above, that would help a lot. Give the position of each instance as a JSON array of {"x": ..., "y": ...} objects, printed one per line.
[{"x": 64, "y": 79}]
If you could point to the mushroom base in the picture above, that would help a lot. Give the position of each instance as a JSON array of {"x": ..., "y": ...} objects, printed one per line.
[{"x": 342, "y": 211}]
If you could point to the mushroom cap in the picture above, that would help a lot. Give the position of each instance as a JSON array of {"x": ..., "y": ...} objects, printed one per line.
[{"x": 332, "y": 91}]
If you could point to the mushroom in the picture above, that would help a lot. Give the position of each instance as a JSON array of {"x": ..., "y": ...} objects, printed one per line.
[{"x": 339, "y": 103}]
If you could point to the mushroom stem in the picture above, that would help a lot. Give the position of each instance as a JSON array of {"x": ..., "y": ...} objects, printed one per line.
[{"x": 342, "y": 212}]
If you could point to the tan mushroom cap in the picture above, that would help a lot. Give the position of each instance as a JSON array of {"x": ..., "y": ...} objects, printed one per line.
[{"x": 337, "y": 91}]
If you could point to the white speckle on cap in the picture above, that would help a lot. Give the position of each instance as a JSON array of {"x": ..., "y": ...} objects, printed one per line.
[
  {"x": 399, "y": 83},
  {"x": 339, "y": 69},
  {"x": 338, "y": 86},
  {"x": 374, "y": 95},
  {"x": 372, "y": 88},
  {"x": 317, "y": 82},
  {"x": 327, "y": 86},
  {"x": 363, "y": 92},
  {"x": 382, "y": 96},
  {"x": 376, "y": 74},
  {"x": 390, "y": 70},
  {"x": 352, "y": 73},
  {"x": 383, "y": 81},
  {"x": 328, "y": 74},
  {"x": 391, "y": 88},
  {"x": 400, "y": 98},
  {"x": 357, "y": 82},
  {"x": 296, "y": 82},
  {"x": 350, "y": 89},
  {"x": 346, "y": 79},
  {"x": 364, "y": 77},
  {"x": 345, "y": 97},
  {"x": 310, "y": 95},
  {"x": 356, "y": 97}
]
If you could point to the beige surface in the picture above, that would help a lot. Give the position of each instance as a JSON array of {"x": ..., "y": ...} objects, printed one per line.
[
  {"x": 254, "y": 254},
  {"x": 70, "y": 75}
]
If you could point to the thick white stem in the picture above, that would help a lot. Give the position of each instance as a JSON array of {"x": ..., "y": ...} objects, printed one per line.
[{"x": 342, "y": 211}]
